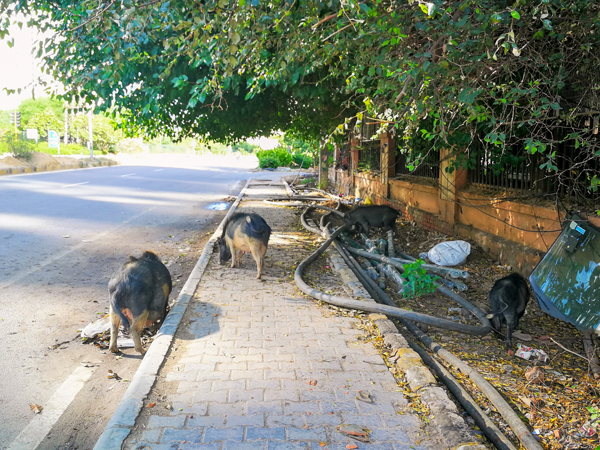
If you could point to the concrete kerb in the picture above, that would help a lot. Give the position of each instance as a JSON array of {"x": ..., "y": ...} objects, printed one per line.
[
  {"x": 124, "y": 417},
  {"x": 54, "y": 168}
]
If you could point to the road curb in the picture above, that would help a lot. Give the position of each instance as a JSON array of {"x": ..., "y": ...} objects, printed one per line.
[
  {"x": 124, "y": 417},
  {"x": 54, "y": 167}
]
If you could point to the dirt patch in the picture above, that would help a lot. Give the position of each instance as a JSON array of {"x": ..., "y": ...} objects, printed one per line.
[
  {"x": 41, "y": 159},
  {"x": 66, "y": 160},
  {"x": 10, "y": 162}
]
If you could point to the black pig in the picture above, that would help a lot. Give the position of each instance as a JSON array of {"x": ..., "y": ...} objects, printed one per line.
[
  {"x": 139, "y": 292},
  {"x": 377, "y": 216},
  {"x": 509, "y": 297},
  {"x": 244, "y": 233}
]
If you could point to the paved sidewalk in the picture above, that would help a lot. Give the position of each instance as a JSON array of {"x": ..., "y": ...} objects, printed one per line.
[{"x": 256, "y": 366}]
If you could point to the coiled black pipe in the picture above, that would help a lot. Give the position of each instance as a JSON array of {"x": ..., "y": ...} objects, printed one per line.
[
  {"x": 441, "y": 289},
  {"x": 392, "y": 311}
]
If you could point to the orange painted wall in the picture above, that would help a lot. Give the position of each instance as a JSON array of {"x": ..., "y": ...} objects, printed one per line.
[
  {"x": 508, "y": 230},
  {"x": 532, "y": 226}
]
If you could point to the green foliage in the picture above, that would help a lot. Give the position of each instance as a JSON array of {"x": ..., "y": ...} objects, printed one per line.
[
  {"x": 418, "y": 281},
  {"x": 308, "y": 181},
  {"x": 268, "y": 162},
  {"x": 487, "y": 76},
  {"x": 302, "y": 160},
  {"x": 129, "y": 146},
  {"x": 5, "y": 121},
  {"x": 31, "y": 107},
  {"x": 283, "y": 156},
  {"x": 278, "y": 157},
  {"x": 244, "y": 147},
  {"x": 69, "y": 149},
  {"x": 104, "y": 134},
  {"x": 43, "y": 121},
  {"x": 20, "y": 149}
]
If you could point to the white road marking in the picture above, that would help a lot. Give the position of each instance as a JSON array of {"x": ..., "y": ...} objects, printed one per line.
[
  {"x": 127, "y": 175},
  {"x": 158, "y": 170},
  {"x": 54, "y": 258},
  {"x": 41, "y": 424},
  {"x": 76, "y": 184}
]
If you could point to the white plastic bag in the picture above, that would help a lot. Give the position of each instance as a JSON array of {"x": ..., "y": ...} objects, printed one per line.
[{"x": 449, "y": 253}]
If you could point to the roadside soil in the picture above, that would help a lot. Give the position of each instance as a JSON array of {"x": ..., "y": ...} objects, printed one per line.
[
  {"x": 555, "y": 410},
  {"x": 38, "y": 160}
]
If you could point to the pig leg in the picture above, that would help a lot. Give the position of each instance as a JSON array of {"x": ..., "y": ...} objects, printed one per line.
[
  {"x": 233, "y": 255},
  {"x": 136, "y": 329},
  {"x": 364, "y": 225},
  {"x": 509, "y": 330},
  {"x": 115, "y": 322},
  {"x": 259, "y": 257}
]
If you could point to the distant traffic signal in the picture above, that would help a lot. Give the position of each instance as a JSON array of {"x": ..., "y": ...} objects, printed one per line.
[{"x": 15, "y": 117}]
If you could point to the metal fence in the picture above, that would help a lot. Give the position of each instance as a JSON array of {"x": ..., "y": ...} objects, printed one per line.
[
  {"x": 428, "y": 166},
  {"x": 369, "y": 157},
  {"x": 343, "y": 160},
  {"x": 523, "y": 172}
]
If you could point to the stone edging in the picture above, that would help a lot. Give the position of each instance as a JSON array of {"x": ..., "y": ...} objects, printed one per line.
[
  {"x": 445, "y": 417},
  {"x": 52, "y": 167}
]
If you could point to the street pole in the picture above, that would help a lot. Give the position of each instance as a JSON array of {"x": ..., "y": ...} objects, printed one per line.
[
  {"x": 90, "y": 139},
  {"x": 66, "y": 124},
  {"x": 15, "y": 121}
]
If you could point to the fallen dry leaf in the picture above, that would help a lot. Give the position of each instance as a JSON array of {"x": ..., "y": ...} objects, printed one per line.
[
  {"x": 351, "y": 446},
  {"x": 152, "y": 405},
  {"x": 535, "y": 375},
  {"x": 36, "y": 408}
]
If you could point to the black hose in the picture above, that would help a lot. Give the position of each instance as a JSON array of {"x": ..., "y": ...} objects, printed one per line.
[
  {"x": 489, "y": 428},
  {"x": 305, "y": 224},
  {"x": 527, "y": 439},
  {"x": 326, "y": 208},
  {"x": 442, "y": 289},
  {"x": 392, "y": 311}
]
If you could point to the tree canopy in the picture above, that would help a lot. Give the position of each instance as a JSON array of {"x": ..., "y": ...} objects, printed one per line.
[
  {"x": 474, "y": 75},
  {"x": 30, "y": 107}
]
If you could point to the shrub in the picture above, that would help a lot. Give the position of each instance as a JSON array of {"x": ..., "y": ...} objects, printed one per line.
[
  {"x": 130, "y": 146},
  {"x": 279, "y": 157},
  {"x": 268, "y": 162},
  {"x": 284, "y": 157},
  {"x": 302, "y": 160},
  {"x": 20, "y": 149},
  {"x": 419, "y": 282},
  {"x": 68, "y": 149}
]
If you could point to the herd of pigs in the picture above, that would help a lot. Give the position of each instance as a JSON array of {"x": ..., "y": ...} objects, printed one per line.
[{"x": 140, "y": 289}]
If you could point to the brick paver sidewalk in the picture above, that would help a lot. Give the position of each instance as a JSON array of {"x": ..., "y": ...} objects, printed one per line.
[{"x": 254, "y": 366}]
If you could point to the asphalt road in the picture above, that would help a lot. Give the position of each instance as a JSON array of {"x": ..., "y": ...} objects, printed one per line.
[{"x": 62, "y": 234}]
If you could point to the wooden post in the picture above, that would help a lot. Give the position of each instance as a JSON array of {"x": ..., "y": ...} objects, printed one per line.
[
  {"x": 353, "y": 154},
  {"x": 387, "y": 161},
  {"x": 449, "y": 184},
  {"x": 323, "y": 167}
]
